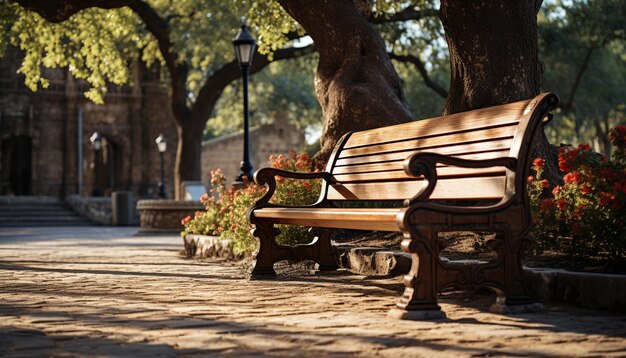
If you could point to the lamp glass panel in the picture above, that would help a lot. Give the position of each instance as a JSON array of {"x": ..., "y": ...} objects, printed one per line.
[{"x": 244, "y": 53}]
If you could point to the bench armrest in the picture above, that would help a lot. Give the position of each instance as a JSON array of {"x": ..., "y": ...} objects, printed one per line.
[
  {"x": 426, "y": 164},
  {"x": 267, "y": 176}
]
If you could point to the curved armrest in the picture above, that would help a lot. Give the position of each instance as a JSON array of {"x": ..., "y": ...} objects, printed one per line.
[
  {"x": 426, "y": 164},
  {"x": 267, "y": 176}
]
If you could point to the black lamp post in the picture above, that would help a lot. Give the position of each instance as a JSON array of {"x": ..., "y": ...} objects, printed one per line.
[
  {"x": 161, "y": 143},
  {"x": 96, "y": 144},
  {"x": 244, "y": 49}
]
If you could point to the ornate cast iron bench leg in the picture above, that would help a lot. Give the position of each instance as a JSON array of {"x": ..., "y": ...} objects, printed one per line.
[
  {"x": 419, "y": 300},
  {"x": 269, "y": 252},
  {"x": 264, "y": 256},
  {"x": 515, "y": 297}
]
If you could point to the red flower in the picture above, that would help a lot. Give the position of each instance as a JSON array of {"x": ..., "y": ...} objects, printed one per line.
[
  {"x": 185, "y": 220},
  {"x": 618, "y": 136},
  {"x": 530, "y": 178},
  {"x": 572, "y": 153},
  {"x": 556, "y": 190},
  {"x": 539, "y": 162},
  {"x": 573, "y": 177},
  {"x": 563, "y": 166},
  {"x": 585, "y": 189},
  {"x": 545, "y": 183},
  {"x": 561, "y": 204},
  {"x": 606, "y": 198},
  {"x": 546, "y": 205}
]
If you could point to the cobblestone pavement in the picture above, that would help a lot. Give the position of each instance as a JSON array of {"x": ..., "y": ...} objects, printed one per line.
[{"x": 104, "y": 292}]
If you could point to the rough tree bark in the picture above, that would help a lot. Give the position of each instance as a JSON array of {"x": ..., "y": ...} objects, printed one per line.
[
  {"x": 356, "y": 84},
  {"x": 494, "y": 58}
]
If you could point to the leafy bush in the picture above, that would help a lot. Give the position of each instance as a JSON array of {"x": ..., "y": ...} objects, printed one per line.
[
  {"x": 226, "y": 210},
  {"x": 590, "y": 206}
]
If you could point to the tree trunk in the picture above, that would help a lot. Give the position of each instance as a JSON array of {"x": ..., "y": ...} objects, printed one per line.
[
  {"x": 188, "y": 153},
  {"x": 355, "y": 83},
  {"x": 493, "y": 52},
  {"x": 494, "y": 58}
]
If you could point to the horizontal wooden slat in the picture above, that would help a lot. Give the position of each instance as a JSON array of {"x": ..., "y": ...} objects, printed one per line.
[
  {"x": 347, "y": 218},
  {"x": 449, "y": 189},
  {"x": 414, "y": 143},
  {"x": 393, "y": 175},
  {"x": 397, "y": 165},
  {"x": 497, "y": 115},
  {"x": 500, "y": 144}
]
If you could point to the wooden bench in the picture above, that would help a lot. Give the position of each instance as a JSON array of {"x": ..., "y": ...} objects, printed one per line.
[{"x": 465, "y": 171}]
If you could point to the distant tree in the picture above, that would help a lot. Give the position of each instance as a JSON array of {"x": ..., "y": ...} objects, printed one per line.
[
  {"x": 583, "y": 48},
  {"x": 282, "y": 89},
  {"x": 191, "y": 39}
]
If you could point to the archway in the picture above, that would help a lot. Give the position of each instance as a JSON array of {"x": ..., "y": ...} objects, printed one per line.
[{"x": 17, "y": 160}]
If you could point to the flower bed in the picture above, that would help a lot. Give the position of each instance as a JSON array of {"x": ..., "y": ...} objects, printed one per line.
[
  {"x": 589, "y": 208},
  {"x": 225, "y": 213}
]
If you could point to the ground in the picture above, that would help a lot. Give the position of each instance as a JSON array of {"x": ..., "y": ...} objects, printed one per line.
[{"x": 105, "y": 292}]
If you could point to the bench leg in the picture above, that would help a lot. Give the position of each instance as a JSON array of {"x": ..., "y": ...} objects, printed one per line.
[
  {"x": 264, "y": 257},
  {"x": 269, "y": 252},
  {"x": 326, "y": 257},
  {"x": 514, "y": 297},
  {"x": 419, "y": 300}
]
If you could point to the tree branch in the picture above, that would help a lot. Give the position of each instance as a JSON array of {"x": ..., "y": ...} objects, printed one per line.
[
  {"x": 60, "y": 10},
  {"x": 422, "y": 70},
  {"x": 407, "y": 14},
  {"x": 570, "y": 101},
  {"x": 178, "y": 71},
  {"x": 216, "y": 82}
]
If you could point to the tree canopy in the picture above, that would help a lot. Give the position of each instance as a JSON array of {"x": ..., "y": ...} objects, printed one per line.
[{"x": 379, "y": 61}]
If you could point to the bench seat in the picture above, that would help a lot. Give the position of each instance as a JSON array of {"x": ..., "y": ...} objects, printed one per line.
[{"x": 381, "y": 219}]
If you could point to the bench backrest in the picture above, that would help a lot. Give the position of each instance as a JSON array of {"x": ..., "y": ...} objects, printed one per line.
[{"x": 368, "y": 165}]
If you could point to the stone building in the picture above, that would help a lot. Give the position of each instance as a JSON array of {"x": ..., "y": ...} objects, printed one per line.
[
  {"x": 226, "y": 152},
  {"x": 45, "y": 147},
  {"x": 44, "y": 135}
]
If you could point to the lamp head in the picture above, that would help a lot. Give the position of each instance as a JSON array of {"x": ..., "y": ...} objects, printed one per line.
[
  {"x": 244, "y": 46},
  {"x": 161, "y": 143},
  {"x": 96, "y": 141}
]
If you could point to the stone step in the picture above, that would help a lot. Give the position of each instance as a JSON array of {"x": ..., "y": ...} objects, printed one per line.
[
  {"x": 31, "y": 219},
  {"x": 45, "y": 223},
  {"x": 37, "y": 211},
  {"x": 4, "y": 199},
  {"x": 33, "y": 207}
]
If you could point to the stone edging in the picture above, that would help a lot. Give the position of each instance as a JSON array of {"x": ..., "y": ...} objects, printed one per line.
[
  {"x": 591, "y": 290},
  {"x": 209, "y": 246},
  {"x": 164, "y": 215}
]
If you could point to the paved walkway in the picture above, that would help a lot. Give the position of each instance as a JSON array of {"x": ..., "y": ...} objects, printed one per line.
[{"x": 104, "y": 292}]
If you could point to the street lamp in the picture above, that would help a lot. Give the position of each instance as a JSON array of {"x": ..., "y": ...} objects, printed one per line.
[
  {"x": 96, "y": 144},
  {"x": 244, "y": 49},
  {"x": 161, "y": 143}
]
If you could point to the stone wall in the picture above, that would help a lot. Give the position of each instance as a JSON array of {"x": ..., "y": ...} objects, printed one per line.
[{"x": 226, "y": 152}]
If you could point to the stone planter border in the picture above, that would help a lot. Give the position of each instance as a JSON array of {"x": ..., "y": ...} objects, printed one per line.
[
  {"x": 209, "y": 246},
  {"x": 591, "y": 290},
  {"x": 165, "y": 215}
]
